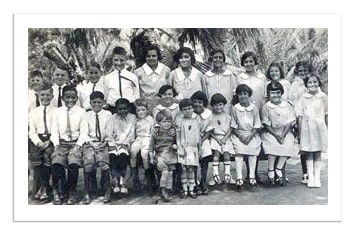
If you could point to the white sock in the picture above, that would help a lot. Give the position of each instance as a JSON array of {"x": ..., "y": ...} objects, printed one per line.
[
  {"x": 227, "y": 168},
  {"x": 215, "y": 168}
]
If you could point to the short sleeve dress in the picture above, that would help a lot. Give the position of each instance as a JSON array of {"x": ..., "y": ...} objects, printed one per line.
[
  {"x": 221, "y": 124},
  {"x": 205, "y": 119}
]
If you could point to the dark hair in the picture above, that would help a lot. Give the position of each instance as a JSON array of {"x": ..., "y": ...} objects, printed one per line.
[
  {"x": 164, "y": 88},
  {"x": 163, "y": 114},
  {"x": 122, "y": 101},
  {"x": 97, "y": 94},
  {"x": 217, "y": 51},
  {"x": 186, "y": 102},
  {"x": 304, "y": 64},
  {"x": 248, "y": 54},
  {"x": 218, "y": 98},
  {"x": 119, "y": 51},
  {"x": 275, "y": 64},
  {"x": 313, "y": 74},
  {"x": 239, "y": 89},
  {"x": 36, "y": 73},
  {"x": 46, "y": 86},
  {"x": 95, "y": 64},
  {"x": 153, "y": 47},
  {"x": 141, "y": 102},
  {"x": 275, "y": 86},
  {"x": 199, "y": 95},
  {"x": 69, "y": 88},
  {"x": 184, "y": 50}
]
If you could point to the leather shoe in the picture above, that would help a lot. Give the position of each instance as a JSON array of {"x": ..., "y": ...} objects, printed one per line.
[{"x": 86, "y": 199}]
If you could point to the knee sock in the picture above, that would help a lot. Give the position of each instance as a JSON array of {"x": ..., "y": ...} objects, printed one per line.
[
  {"x": 252, "y": 164},
  {"x": 163, "y": 181},
  {"x": 303, "y": 161},
  {"x": 36, "y": 179},
  {"x": 204, "y": 171},
  {"x": 227, "y": 167},
  {"x": 169, "y": 181},
  {"x": 215, "y": 168},
  {"x": 58, "y": 175},
  {"x": 239, "y": 164},
  {"x": 73, "y": 172}
]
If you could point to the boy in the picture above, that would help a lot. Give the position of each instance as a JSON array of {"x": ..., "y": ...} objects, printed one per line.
[
  {"x": 40, "y": 146},
  {"x": 120, "y": 83},
  {"x": 35, "y": 84},
  {"x": 120, "y": 131},
  {"x": 60, "y": 78},
  {"x": 69, "y": 132},
  {"x": 95, "y": 150}
]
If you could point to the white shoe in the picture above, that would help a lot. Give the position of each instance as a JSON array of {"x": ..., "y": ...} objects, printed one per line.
[
  {"x": 228, "y": 179},
  {"x": 215, "y": 180},
  {"x": 123, "y": 189},
  {"x": 317, "y": 183},
  {"x": 311, "y": 182}
]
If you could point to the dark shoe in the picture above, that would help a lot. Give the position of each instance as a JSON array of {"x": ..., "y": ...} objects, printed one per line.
[
  {"x": 198, "y": 190},
  {"x": 72, "y": 199},
  {"x": 270, "y": 181},
  {"x": 184, "y": 195},
  {"x": 205, "y": 191},
  {"x": 193, "y": 195},
  {"x": 86, "y": 199},
  {"x": 239, "y": 184},
  {"x": 259, "y": 180},
  {"x": 56, "y": 199},
  {"x": 253, "y": 182}
]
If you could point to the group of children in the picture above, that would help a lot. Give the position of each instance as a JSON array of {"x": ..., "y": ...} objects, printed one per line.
[{"x": 124, "y": 120}]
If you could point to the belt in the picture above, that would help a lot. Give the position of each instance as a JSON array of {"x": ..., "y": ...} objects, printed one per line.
[{"x": 62, "y": 142}]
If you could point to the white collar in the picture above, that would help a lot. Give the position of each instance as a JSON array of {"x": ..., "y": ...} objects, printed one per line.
[
  {"x": 244, "y": 75},
  {"x": 283, "y": 104},
  {"x": 210, "y": 73},
  {"x": 181, "y": 76},
  {"x": 319, "y": 95},
  {"x": 148, "y": 70},
  {"x": 172, "y": 107},
  {"x": 243, "y": 109},
  {"x": 207, "y": 113}
]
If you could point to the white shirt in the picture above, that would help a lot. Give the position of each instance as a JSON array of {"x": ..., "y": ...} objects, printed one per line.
[
  {"x": 84, "y": 91},
  {"x": 54, "y": 101},
  {"x": 31, "y": 100},
  {"x": 36, "y": 119},
  {"x": 104, "y": 117},
  {"x": 78, "y": 125}
]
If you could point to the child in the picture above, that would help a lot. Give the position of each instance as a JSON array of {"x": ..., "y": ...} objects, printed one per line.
[
  {"x": 163, "y": 150},
  {"x": 167, "y": 94},
  {"x": 278, "y": 118},
  {"x": 40, "y": 146},
  {"x": 189, "y": 143},
  {"x": 60, "y": 78},
  {"x": 152, "y": 75},
  {"x": 275, "y": 73},
  {"x": 245, "y": 138},
  {"x": 312, "y": 111},
  {"x": 220, "y": 139},
  {"x": 143, "y": 130},
  {"x": 121, "y": 132},
  {"x": 36, "y": 83},
  {"x": 95, "y": 150},
  {"x": 92, "y": 84},
  {"x": 120, "y": 83},
  {"x": 219, "y": 79},
  {"x": 69, "y": 132},
  {"x": 200, "y": 103}
]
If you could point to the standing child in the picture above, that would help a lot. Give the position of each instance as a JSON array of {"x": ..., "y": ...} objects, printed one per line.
[
  {"x": 278, "y": 118},
  {"x": 69, "y": 132},
  {"x": 312, "y": 111},
  {"x": 275, "y": 73},
  {"x": 143, "y": 131},
  {"x": 167, "y": 94},
  {"x": 220, "y": 139},
  {"x": 189, "y": 143},
  {"x": 163, "y": 152},
  {"x": 95, "y": 150},
  {"x": 60, "y": 78},
  {"x": 40, "y": 146},
  {"x": 245, "y": 138},
  {"x": 35, "y": 83},
  {"x": 121, "y": 132}
]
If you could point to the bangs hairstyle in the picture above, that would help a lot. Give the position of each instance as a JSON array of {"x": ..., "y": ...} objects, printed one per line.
[
  {"x": 69, "y": 88},
  {"x": 305, "y": 64},
  {"x": 164, "y": 88},
  {"x": 248, "y": 54},
  {"x": 119, "y": 51},
  {"x": 313, "y": 74},
  {"x": 97, "y": 95},
  {"x": 199, "y": 95},
  {"x": 141, "y": 102},
  {"x": 163, "y": 114},
  {"x": 184, "y": 50},
  {"x": 279, "y": 66},
  {"x": 155, "y": 48},
  {"x": 217, "y": 99},
  {"x": 239, "y": 89},
  {"x": 274, "y": 86},
  {"x": 95, "y": 65},
  {"x": 122, "y": 101},
  {"x": 36, "y": 73},
  {"x": 215, "y": 51},
  {"x": 186, "y": 102}
]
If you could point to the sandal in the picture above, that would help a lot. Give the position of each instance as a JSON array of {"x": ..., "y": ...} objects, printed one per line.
[
  {"x": 215, "y": 180},
  {"x": 280, "y": 179},
  {"x": 239, "y": 183},
  {"x": 270, "y": 180},
  {"x": 253, "y": 182}
]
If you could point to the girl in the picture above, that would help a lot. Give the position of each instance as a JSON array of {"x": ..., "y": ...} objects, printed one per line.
[
  {"x": 220, "y": 139},
  {"x": 278, "y": 118},
  {"x": 167, "y": 94},
  {"x": 162, "y": 150},
  {"x": 186, "y": 79},
  {"x": 188, "y": 142},
  {"x": 312, "y": 111},
  {"x": 275, "y": 73},
  {"x": 245, "y": 138}
]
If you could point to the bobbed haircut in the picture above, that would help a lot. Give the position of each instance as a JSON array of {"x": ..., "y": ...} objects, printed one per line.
[
  {"x": 164, "y": 88},
  {"x": 97, "y": 95},
  {"x": 153, "y": 47},
  {"x": 199, "y": 95},
  {"x": 119, "y": 51},
  {"x": 217, "y": 99},
  {"x": 47, "y": 87},
  {"x": 186, "y": 102},
  {"x": 122, "y": 101},
  {"x": 36, "y": 73},
  {"x": 141, "y": 102},
  {"x": 163, "y": 114},
  {"x": 280, "y": 68},
  {"x": 274, "y": 86},
  {"x": 70, "y": 87},
  {"x": 313, "y": 74},
  {"x": 243, "y": 88},
  {"x": 248, "y": 54},
  {"x": 182, "y": 50},
  {"x": 215, "y": 51},
  {"x": 304, "y": 64}
]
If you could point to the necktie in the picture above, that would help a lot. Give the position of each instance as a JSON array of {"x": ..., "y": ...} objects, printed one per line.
[
  {"x": 45, "y": 120},
  {"x": 59, "y": 97},
  {"x": 97, "y": 128},
  {"x": 37, "y": 100},
  {"x": 93, "y": 87},
  {"x": 120, "y": 85},
  {"x": 69, "y": 130}
]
